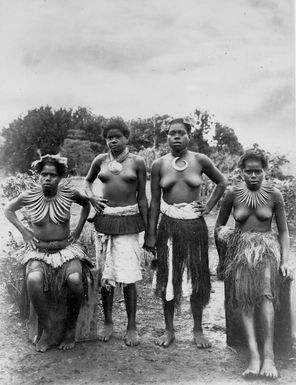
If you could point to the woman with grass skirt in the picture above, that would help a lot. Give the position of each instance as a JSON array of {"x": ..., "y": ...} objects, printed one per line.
[
  {"x": 181, "y": 239},
  {"x": 255, "y": 256}
]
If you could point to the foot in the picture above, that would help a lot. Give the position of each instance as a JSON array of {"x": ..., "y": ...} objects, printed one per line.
[
  {"x": 268, "y": 369},
  {"x": 253, "y": 368},
  {"x": 131, "y": 338},
  {"x": 44, "y": 343},
  {"x": 68, "y": 340},
  {"x": 166, "y": 339},
  {"x": 106, "y": 333},
  {"x": 200, "y": 340}
]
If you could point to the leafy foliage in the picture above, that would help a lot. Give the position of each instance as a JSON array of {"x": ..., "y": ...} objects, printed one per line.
[{"x": 41, "y": 129}]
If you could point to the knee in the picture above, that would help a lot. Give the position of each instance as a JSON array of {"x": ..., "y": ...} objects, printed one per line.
[
  {"x": 74, "y": 281},
  {"x": 35, "y": 280}
]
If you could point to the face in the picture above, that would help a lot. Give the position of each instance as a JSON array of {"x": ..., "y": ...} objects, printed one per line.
[
  {"x": 49, "y": 178},
  {"x": 178, "y": 137},
  {"x": 253, "y": 174},
  {"x": 116, "y": 141}
]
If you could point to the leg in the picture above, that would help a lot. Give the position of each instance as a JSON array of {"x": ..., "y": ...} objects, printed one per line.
[
  {"x": 74, "y": 301},
  {"x": 293, "y": 314},
  {"x": 268, "y": 368},
  {"x": 168, "y": 309},
  {"x": 107, "y": 299},
  {"x": 248, "y": 319},
  {"x": 130, "y": 297},
  {"x": 197, "y": 311},
  {"x": 35, "y": 288}
]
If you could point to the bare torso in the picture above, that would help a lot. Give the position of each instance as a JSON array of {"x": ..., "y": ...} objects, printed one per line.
[
  {"x": 180, "y": 186},
  {"x": 47, "y": 230},
  {"x": 120, "y": 189},
  {"x": 253, "y": 219}
]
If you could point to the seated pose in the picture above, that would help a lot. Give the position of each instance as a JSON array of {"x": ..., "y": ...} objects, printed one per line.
[
  {"x": 56, "y": 268},
  {"x": 255, "y": 256},
  {"x": 121, "y": 214},
  {"x": 181, "y": 240}
]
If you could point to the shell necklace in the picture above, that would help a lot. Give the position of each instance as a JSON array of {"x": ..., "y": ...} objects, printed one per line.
[
  {"x": 255, "y": 198},
  {"x": 179, "y": 168},
  {"x": 57, "y": 207},
  {"x": 115, "y": 165}
]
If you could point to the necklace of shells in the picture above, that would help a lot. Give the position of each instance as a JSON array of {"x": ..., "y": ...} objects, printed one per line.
[
  {"x": 57, "y": 207},
  {"x": 115, "y": 164},
  {"x": 254, "y": 198}
]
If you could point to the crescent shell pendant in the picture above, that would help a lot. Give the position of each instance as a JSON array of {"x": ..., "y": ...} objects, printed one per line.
[{"x": 179, "y": 168}]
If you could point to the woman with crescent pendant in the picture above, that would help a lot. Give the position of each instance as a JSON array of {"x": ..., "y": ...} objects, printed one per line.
[
  {"x": 121, "y": 214},
  {"x": 181, "y": 239},
  {"x": 254, "y": 256}
]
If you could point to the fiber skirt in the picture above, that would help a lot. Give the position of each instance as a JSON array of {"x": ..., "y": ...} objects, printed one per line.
[
  {"x": 189, "y": 240},
  {"x": 252, "y": 268},
  {"x": 56, "y": 266}
]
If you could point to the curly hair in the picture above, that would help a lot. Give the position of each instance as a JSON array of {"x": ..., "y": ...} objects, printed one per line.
[
  {"x": 59, "y": 162},
  {"x": 116, "y": 124},
  {"x": 257, "y": 155},
  {"x": 182, "y": 121}
]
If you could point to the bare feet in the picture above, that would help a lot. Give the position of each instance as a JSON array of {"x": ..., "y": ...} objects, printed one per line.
[
  {"x": 68, "y": 340},
  {"x": 106, "y": 333},
  {"x": 200, "y": 340},
  {"x": 166, "y": 339},
  {"x": 253, "y": 368},
  {"x": 268, "y": 369},
  {"x": 131, "y": 338},
  {"x": 44, "y": 343}
]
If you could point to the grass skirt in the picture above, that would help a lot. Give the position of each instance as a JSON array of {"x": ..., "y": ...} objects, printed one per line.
[
  {"x": 252, "y": 268},
  {"x": 190, "y": 252},
  {"x": 56, "y": 266}
]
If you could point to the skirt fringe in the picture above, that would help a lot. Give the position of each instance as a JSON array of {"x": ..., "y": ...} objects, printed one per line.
[
  {"x": 190, "y": 250},
  {"x": 249, "y": 257}
]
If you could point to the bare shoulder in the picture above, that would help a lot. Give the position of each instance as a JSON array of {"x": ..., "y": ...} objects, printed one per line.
[
  {"x": 229, "y": 193},
  {"x": 99, "y": 159},
  {"x": 276, "y": 194},
  {"x": 157, "y": 163},
  {"x": 203, "y": 159},
  {"x": 138, "y": 159}
]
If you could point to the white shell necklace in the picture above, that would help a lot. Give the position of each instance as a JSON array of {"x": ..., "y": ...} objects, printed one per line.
[
  {"x": 254, "y": 198},
  {"x": 57, "y": 207},
  {"x": 115, "y": 164}
]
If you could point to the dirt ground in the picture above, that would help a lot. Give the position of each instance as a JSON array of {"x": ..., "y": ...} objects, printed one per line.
[{"x": 114, "y": 363}]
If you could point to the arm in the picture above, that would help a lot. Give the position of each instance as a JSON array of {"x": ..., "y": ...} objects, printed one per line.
[
  {"x": 281, "y": 221},
  {"x": 98, "y": 203},
  {"x": 223, "y": 216},
  {"x": 84, "y": 202},
  {"x": 154, "y": 209},
  {"x": 10, "y": 214},
  {"x": 141, "y": 196},
  {"x": 225, "y": 209},
  {"x": 218, "y": 178}
]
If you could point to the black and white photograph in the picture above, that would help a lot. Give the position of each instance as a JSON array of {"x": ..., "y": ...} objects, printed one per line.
[{"x": 147, "y": 192}]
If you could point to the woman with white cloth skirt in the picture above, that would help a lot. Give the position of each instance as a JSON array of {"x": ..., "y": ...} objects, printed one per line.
[{"x": 121, "y": 214}]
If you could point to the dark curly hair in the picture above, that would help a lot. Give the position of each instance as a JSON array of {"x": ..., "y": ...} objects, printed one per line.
[
  {"x": 181, "y": 120},
  {"x": 52, "y": 160},
  {"x": 253, "y": 155},
  {"x": 116, "y": 124}
]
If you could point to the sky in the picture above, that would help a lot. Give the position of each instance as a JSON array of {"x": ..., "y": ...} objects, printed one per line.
[{"x": 136, "y": 58}]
